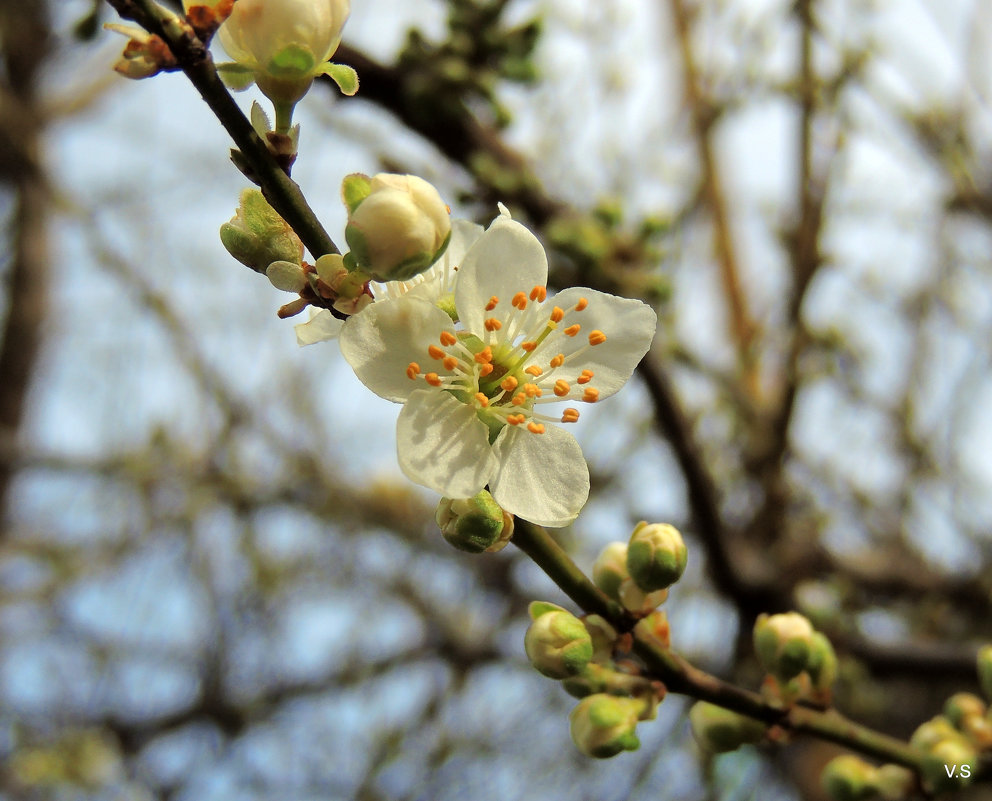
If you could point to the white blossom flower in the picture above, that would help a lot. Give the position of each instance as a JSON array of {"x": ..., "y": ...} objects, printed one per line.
[
  {"x": 435, "y": 285},
  {"x": 472, "y": 393}
]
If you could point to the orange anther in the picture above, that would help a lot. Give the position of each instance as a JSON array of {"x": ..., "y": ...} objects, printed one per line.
[
  {"x": 597, "y": 337},
  {"x": 528, "y": 346},
  {"x": 450, "y": 362},
  {"x": 572, "y": 330},
  {"x": 481, "y": 399},
  {"x": 539, "y": 293},
  {"x": 509, "y": 383},
  {"x": 562, "y": 388},
  {"x": 519, "y": 301},
  {"x": 448, "y": 339},
  {"x": 558, "y": 360},
  {"x": 412, "y": 371},
  {"x": 492, "y": 303},
  {"x": 515, "y": 419},
  {"x": 485, "y": 370},
  {"x": 485, "y": 355},
  {"x": 519, "y": 399},
  {"x": 581, "y": 304},
  {"x": 435, "y": 352},
  {"x": 492, "y": 324},
  {"x": 591, "y": 395},
  {"x": 557, "y": 314},
  {"x": 570, "y": 416},
  {"x": 584, "y": 377},
  {"x": 535, "y": 428},
  {"x": 534, "y": 370},
  {"x": 532, "y": 390},
  {"x": 433, "y": 379}
]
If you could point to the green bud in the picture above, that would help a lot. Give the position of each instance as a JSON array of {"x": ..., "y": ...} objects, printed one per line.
[
  {"x": 610, "y": 569},
  {"x": 474, "y": 524},
  {"x": 822, "y": 666},
  {"x": 656, "y": 556},
  {"x": 894, "y": 782},
  {"x": 783, "y": 643},
  {"x": 557, "y": 643},
  {"x": 950, "y": 764},
  {"x": 848, "y": 778},
  {"x": 963, "y": 707},
  {"x": 604, "y": 725},
  {"x": 985, "y": 670},
  {"x": 257, "y": 236},
  {"x": 719, "y": 730},
  {"x": 928, "y": 735}
]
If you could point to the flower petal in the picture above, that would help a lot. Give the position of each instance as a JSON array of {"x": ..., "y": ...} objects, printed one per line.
[
  {"x": 505, "y": 260},
  {"x": 442, "y": 444},
  {"x": 541, "y": 477},
  {"x": 321, "y": 327},
  {"x": 382, "y": 340},
  {"x": 629, "y": 326}
]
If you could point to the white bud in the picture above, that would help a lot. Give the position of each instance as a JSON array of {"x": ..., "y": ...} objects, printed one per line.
[
  {"x": 557, "y": 643},
  {"x": 784, "y": 643},
  {"x": 656, "y": 556},
  {"x": 604, "y": 725}
]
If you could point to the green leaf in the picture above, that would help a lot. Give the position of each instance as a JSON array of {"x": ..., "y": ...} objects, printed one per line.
[
  {"x": 260, "y": 120},
  {"x": 236, "y": 77},
  {"x": 354, "y": 189},
  {"x": 344, "y": 76}
]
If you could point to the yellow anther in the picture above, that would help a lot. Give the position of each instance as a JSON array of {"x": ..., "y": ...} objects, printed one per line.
[
  {"x": 519, "y": 399},
  {"x": 570, "y": 416},
  {"x": 515, "y": 419},
  {"x": 492, "y": 303},
  {"x": 433, "y": 379},
  {"x": 528, "y": 346},
  {"x": 558, "y": 360},
  {"x": 509, "y": 383},
  {"x": 448, "y": 339},
  {"x": 412, "y": 371},
  {"x": 539, "y": 293},
  {"x": 535, "y": 428},
  {"x": 492, "y": 324},
  {"x": 519, "y": 301},
  {"x": 481, "y": 399},
  {"x": 584, "y": 377},
  {"x": 581, "y": 304},
  {"x": 562, "y": 388},
  {"x": 450, "y": 362},
  {"x": 557, "y": 314},
  {"x": 534, "y": 370},
  {"x": 435, "y": 352},
  {"x": 485, "y": 370},
  {"x": 485, "y": 355},
  {"x": 532, "y": 390},
  {"x": 597, "y": 337},
  {"x": 572, "y": 330},
  {"x": 591, "y": 395}
]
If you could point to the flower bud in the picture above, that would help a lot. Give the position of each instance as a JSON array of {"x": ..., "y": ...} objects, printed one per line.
[
  {"x": 604, "y": 725},
  {"x": 257, "y": 236},
  {"x": 656, "y": 556},
  {"x": 719, "y": 730},
  {"x": 604, "y": 637},
  {"x": 894, "y": 782},
  {"x": 474, "y": 524},
  {"x": 928, "y": 735},
  {"x": 985, "y": 670},
  {"x": 783, "y": 643},
  {"x": 398, "y": 225},
  {"x": 822, "y": 665},
  {"x": 557, "y": 643},
  {"x": 610, "y": 569},
  {"x": 848, "y": 778},
  {"x": 284, "y": 44},
  {"x": 638, "y": 601},
  {"x": 949, "y": 765},
  {"x": 961, "y": 707}
]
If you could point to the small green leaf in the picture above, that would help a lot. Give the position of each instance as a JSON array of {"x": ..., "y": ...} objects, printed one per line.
[
  {"x": 344, "y": 76},
  {"x": 236, "y": 77},
  {"x": 354, "y": 189},
  {"x": 260, "y": 120}
]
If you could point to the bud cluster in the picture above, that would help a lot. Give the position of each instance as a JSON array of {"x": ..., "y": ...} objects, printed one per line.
[
  {"x": 799, "y": 660},
  {"x": 638, "y": 574},
  {"x": 850, "y": 778}
]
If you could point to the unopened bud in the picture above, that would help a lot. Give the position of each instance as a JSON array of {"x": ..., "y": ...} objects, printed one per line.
[
  {"x": 604, "y": 725},
  {"x": 398, "y": 225},
  {"x": 950, "y": 764},
  {"x": 474, "y": 524},
  {"x": 656, "y": 556},
  {"x": 928, "y": 735},
  {"x": 145, "y": 54},
  {"x": 610, "y": 569},
  {"x": 962, "y": 707},
  {"x": 557, "y": 643},
  {"x": 985, "y": 670},
  {"x": 257, "y": 236},
  {"x": 822, "y": 665},
  {"x": 783, "y": 643},
  {"x": 894, "y": 782},
  {"x": 719, "y": 730},
  {"x": 848, "y": 778}
]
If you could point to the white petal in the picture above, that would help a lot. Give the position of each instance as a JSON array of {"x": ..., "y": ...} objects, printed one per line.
[
  {"x": 629, "y": 326},
  {"x": 380, "y": 342},
  {"x": 505, "y": 260},
  {"x": 321, "y": 327},
  {"x": 442, "y": 444},
  {"x": 541, "y": 477}
]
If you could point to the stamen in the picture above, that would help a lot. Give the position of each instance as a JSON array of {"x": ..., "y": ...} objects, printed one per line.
[
  {"x": 509, "y": 384},
  {"x": 519, "y": 301},
  {"x": 539, "y": 293},
  {"x": 528, "y": 346},
  {"x": 433, "y": 379},
  {"x": 492, "y": 324},
  {"x": 534, "y": 370},
  {"x": 585, "y": 377},
  {"x": 520, "y": 398},
  {"x": 412, "y": 371},
  {"x": 485, "y": 370},
  {"x": 450, "y": 362},
  {"x": 515, "y": 419},
  {"x": 572, "y": 330},
  {"x": 435, "y": 352},
  {"x": 596, "y": 337},
  {"x": 570, "y": 416},
  {"x": 481, "y": 399},
  {"x": 558, "y": 360},
  {"x": 581, "y": 304},
  {"x": 557, "y": 314},
  {"x": 485, "y": 356},
  {"x": 591, "y": 395},
  {"x": 535, "y": 428},
  {"x": 492, "y": 303},
  {"x": 562, "y": 388},
  {"x": 533, "y": 390},
  {"x": 448, "y": 339}
]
